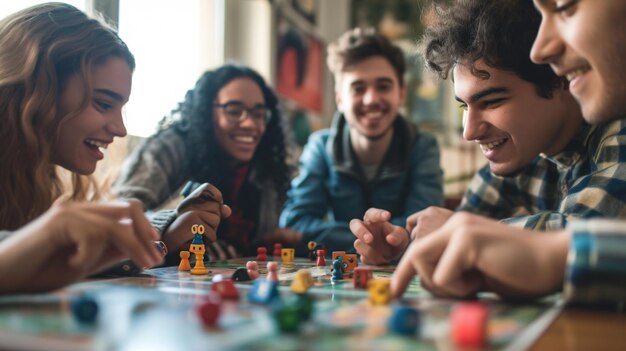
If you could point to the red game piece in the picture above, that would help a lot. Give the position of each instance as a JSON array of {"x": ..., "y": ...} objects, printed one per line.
[
  {"x": 469, "y": 324},
  {"x": 361, "y": 276},
  {"x": 253, "y": 269},
  {"x": 272, "y": 271},
  {"x": 209, "y": 310},
  {"x": 320, "y": 258},
  {"x": 226, "y": 289},
  {"x": 261, "y": 254},
  {"x": 278, "y": 248}
]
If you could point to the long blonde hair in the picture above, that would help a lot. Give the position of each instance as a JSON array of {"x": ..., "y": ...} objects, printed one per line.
[{"x": 40, "y": 47}]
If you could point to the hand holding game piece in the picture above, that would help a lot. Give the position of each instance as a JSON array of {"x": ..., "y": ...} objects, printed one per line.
[
  {"x": 253, "y": 269},
  {"x": 471, "y": 253},
  {"x": 74, "y": 240},
  {"x": 203, "y": 206},
  {"x": 426, "y": 221},
  {"x": 272, "y": 271},
  {"x": 378, "y": 241}
]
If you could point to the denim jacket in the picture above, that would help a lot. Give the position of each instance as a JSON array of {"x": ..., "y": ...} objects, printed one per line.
[{"x": 331, "y": 188}]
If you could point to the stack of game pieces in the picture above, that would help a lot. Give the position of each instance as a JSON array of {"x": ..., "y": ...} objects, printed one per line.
[{"x": 198, "y": 248}]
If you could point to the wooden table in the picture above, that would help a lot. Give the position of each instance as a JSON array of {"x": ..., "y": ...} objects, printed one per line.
[{"x": 577, "y": 329}]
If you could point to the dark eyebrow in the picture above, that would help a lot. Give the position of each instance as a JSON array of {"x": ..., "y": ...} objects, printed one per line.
[
  {"x": 377, "y": 80},
  {"x": 240, "y": 103},
  {"x": 110, "y": 93},
  {"x": 481, "y": 94}
]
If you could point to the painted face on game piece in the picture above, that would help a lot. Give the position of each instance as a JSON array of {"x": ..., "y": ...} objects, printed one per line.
[
  {"x": 369, "y": 95},
  {"x": 82, "y": 137},
  {"x": 240, "y": 125},
  {"x": 585, "y": 41},
  {"x": 509, "y": 120}
]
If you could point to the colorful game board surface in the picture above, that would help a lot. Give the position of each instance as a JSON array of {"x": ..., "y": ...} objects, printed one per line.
[{"x": 156, "y": 311}]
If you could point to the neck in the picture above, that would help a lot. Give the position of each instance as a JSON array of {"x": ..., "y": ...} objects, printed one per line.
[{"x": 370, "y": 151}]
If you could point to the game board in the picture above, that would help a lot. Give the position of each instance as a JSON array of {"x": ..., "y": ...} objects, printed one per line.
[{"x": 156, "y": 311}]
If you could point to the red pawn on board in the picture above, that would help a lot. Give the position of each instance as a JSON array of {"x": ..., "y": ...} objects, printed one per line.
[
  {"x": 261, "y": 254},
  {"x": 320, "y": 258},
  {"x": 277, "y": 249},
  {"x": 209, "y": 310}
]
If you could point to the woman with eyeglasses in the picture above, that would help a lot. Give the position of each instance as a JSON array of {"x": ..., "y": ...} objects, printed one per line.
[{"x": 227, "y": 132}]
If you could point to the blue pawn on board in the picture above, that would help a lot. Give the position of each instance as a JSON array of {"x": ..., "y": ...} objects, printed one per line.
[
  {"x": 404, "y": 320},
  {"x": 84, "y": 308},
  {"x": 263, "y": 291},
  {"x": 337, "y": 272}
]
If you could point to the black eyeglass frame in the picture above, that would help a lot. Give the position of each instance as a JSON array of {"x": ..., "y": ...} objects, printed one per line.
[{"x": 249, "y": 112}]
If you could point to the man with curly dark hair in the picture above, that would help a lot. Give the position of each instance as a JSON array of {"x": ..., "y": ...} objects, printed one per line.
[
  {"x": 371, "y": 155},
  {"x": 227, "y": 132}
]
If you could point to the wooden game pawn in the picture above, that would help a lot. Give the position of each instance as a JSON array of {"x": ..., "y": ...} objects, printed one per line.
[
  {"x": 198, "y": 268},
  {"x": 184, "y": 261}
]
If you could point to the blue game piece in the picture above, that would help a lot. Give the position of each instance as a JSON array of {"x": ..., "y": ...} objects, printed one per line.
[
  {"x": 263, "y": 291},
  {"x": 84, "y": 308},
  {"x": 404, "y": 320},
  {"x": 337, "y": 269}
]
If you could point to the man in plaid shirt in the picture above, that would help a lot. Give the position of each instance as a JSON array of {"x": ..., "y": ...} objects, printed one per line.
[{"x": 545, "y": 164}]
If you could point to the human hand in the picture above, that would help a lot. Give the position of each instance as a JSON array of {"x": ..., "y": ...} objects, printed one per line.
[
  {"x": 378, "y": 241},
  {"x": 426, "y": 221},
  {"x": 73, "y": 240},
  {"x": 203, "y": 206},
  {"x": 470, "y": 253}
]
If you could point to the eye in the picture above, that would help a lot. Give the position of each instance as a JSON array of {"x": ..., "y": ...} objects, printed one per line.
[
  {"x": 259, "y": 113},
  {"x": 358, "y": 90},
  {"x": 233, "y": 111},
  {"x": 102, "y": 105},
  {"x": 493, "y": 103},
  {"x": 384, "y": 87},
  {"x": 463, "y": 106},
  {"x": 563, "y": 7}
]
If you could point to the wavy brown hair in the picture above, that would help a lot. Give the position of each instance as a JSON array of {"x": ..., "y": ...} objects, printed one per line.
[
  {"x": 499, "y": 32},
  {"x": 40, "y": 48}
]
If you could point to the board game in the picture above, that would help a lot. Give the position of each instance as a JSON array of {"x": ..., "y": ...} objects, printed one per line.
[{"x": 157, "y": 311}]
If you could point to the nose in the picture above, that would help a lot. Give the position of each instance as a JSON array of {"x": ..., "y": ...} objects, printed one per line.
[
  {"x": 247, "y": 121},
  {"x": 474, "y": 126},
  {"x": 371, "y": 96},
  {"x": 116, "y": 125},
  {"x": 547, "y": 46}
]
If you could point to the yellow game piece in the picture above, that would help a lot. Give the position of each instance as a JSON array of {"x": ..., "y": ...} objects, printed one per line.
[
  {"x": 287, "y": 255},
  {"x": 302, "y": 281},
  {"x": 184, "y": 261},
  {"x": 379, "y": 291},
  {"x": 197, "y": 248}
]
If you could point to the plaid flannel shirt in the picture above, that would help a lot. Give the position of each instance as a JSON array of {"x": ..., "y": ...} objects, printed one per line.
[{"x": 587, "y": 179}]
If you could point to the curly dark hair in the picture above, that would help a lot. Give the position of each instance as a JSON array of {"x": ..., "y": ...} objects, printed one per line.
[
  {"x": 359, "y": 44},
  {"x": 193, "y": 117},
  {"x": 499, "y": 32}
]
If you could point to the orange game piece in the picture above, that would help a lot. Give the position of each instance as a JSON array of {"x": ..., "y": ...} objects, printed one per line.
[{"x": 184, "y": 261}]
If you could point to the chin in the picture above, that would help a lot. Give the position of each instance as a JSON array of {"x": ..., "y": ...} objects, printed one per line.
[{"x": 505, "y": 170}]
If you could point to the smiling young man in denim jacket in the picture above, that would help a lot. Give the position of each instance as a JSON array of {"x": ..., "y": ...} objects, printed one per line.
[{"x": 371, "y": 156}]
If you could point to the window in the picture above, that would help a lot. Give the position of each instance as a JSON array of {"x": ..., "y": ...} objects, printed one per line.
[{"x": 172, "y": 42}]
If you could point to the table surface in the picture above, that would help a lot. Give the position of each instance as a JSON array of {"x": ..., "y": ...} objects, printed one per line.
[{"x": 578, "y": 329}]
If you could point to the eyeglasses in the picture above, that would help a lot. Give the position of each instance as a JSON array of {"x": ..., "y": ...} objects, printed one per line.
[{"x": 234, "y": 112}]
